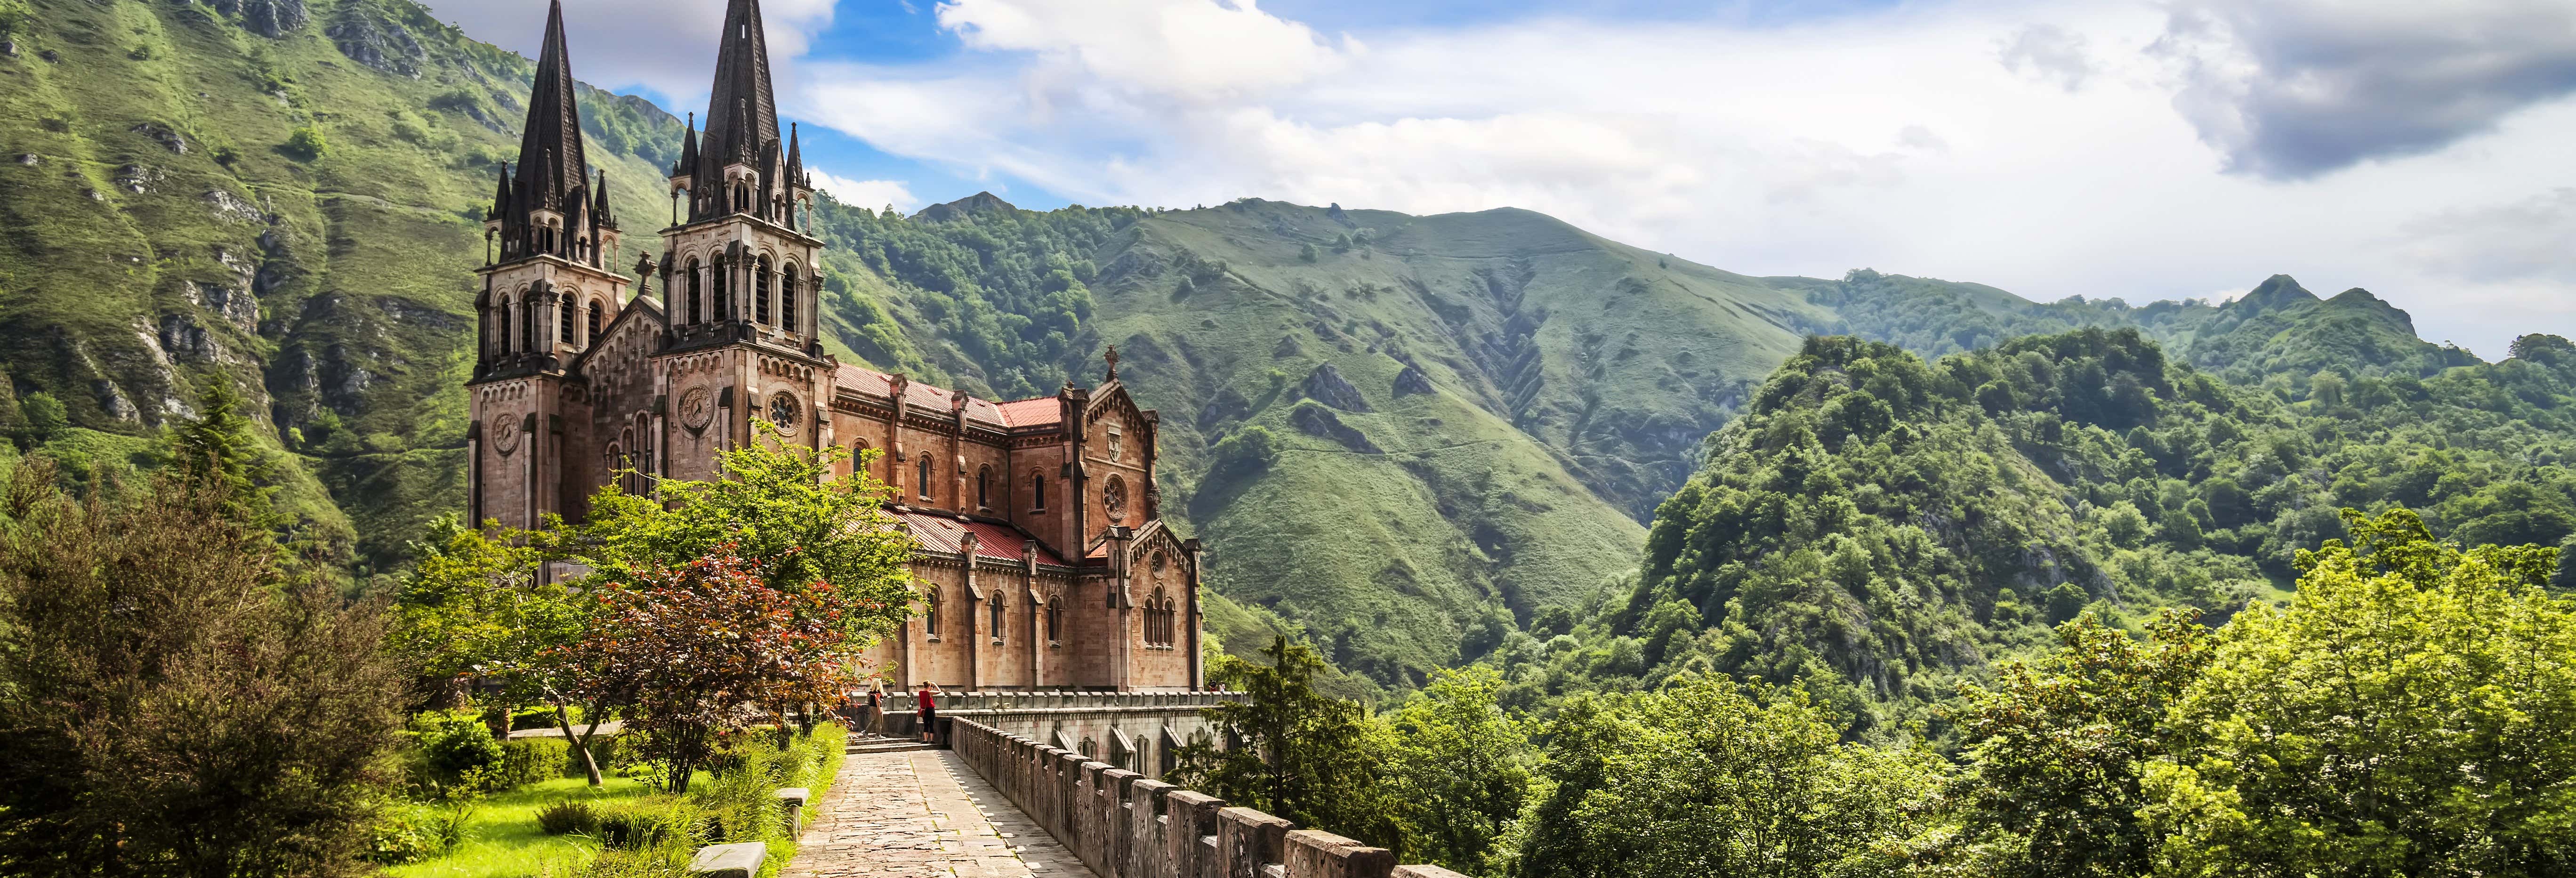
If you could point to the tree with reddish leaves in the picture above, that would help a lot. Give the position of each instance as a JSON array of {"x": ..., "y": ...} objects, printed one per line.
[{"x": 705, "y": 649}]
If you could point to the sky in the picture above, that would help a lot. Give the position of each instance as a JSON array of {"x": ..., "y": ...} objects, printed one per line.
[{"x": 2137, "y": 149}]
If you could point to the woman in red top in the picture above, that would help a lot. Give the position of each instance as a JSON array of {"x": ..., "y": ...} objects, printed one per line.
[{"x": 929, "y": 711}]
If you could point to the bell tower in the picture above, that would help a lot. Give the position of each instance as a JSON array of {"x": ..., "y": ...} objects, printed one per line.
[
  {"x": 548, "y": 291},
  {"x": 739, "y": 273}
]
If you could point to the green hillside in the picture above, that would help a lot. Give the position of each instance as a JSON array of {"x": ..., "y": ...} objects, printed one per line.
[
  {"x": 1877, "y": 527},
  {"x": 166, "y": 227},
  {"x": 1407, "y": 436}
]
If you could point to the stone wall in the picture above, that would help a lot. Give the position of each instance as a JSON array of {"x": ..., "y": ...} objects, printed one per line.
[
  {"x": 1140, "y": 732},
  {"x": 1124, "y": 825}
]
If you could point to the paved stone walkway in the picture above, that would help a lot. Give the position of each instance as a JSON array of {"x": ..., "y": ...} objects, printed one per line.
[{"x": 923, "y": 814}]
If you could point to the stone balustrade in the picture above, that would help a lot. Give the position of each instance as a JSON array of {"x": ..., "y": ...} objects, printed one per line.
[{"x": 1123, "y": 825}]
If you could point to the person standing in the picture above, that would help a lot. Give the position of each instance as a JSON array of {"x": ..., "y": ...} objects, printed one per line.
[
  {"x": 929, "y": 711},
  {"x": 874, "y": 719}
]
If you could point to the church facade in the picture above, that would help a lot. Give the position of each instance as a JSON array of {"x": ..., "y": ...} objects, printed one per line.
[{"x": 1042, "y": 559}]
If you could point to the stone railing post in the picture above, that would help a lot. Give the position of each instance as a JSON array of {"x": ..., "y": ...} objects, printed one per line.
[
  {"x": 1247, "y": 840},
  {"x": 1317, "y": 854},
  {"x": 1190, "y": 819},
  {"x": 1148, "y": 854}
]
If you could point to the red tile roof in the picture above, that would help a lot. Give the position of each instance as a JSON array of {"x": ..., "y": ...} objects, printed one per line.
[
  {"x": 984, "y": 411},
  {"x": 1033, "y": 412},
  {"x": 944, "y": 533}
]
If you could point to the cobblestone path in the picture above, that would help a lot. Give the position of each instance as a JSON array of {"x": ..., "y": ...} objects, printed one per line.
[{"x": 919, "y": 814}]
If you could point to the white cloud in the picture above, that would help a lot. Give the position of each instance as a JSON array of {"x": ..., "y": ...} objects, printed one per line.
[
  {"x": 870, "y": 194},
  {"x": 2049, "y": 54},
  {"x": 1899, "y": 140},
  {"x": 1190, "y": 49},
  {"x": 668, "y": 46}
]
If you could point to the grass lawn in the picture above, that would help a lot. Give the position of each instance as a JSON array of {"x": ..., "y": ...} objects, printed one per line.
[{"x": 502, "y": 839}]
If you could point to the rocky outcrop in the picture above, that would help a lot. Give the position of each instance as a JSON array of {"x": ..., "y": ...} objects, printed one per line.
[
  {"x": 233, "y": 207},
  {"x": 1412, "y": 381},
  {"x": 267, "y": 18},
  {"x": 1320, "y": 422},
  {"x": 162, "y": 134},
  {"x": 1326, "y": 385},
  {"x": 379, "y": 44}
]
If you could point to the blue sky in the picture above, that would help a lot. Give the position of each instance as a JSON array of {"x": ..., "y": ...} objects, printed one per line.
[{"x": 2143, "y": 149}]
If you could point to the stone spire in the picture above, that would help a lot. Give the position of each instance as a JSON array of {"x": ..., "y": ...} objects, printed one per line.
[
  {"x": 552, "y": 165},
  {"x": 688, "y": 150},
  {"x": 795, "y": 158},
  {"x": 742, "y": 111}
]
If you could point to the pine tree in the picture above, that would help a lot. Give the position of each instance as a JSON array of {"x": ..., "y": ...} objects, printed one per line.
[{"x": 216, "y": 446}]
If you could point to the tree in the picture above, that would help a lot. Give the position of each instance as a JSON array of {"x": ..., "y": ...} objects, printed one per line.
[
  {"x": 215, "y": 447},
  {"x": 1306, "y": 253},
  {"x": 1460, "y": 768},
  {"x": 2412, "y": 712},
  {"x": 2057, "y": 751},
  {"x": 702, "y": 650},
  {"x": 475, "y": 608},
  {"x": 44, "y": 415},
  {"x": 1710, "y": 777},
  {"x": 1296, "y": 753},
  {"x": 778, "y": 508},
  {"x": 171, "y": 703}
]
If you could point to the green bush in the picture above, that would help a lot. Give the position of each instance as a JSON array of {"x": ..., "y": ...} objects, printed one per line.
[
  {"x": 307, "y": 143},
  {"x": 412, "y": 832},
  {"x": 568, "y": 817},
  {"x": 527, "y": 761},
  {"x": 644, "y": 823},
  {"x": 455, "y": 745}
]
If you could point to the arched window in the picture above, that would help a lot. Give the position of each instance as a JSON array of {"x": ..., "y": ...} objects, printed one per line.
[
  {"x": 697, "y": 296},
  {"x": 571, "y": 308},
  {"x": 598, "y": 310},
  {"x": 501, "y": 337},
  {"x": 760, "y": 290},
  {"x": 528, "y": 326},
  {"x": 1157, "y": 615},
  {"x": 724, "y": 289},
  {"x": 1037, "y": 491},
  {"x": 1055, "y": 620},
  {"x": 931, "y": 618},
  {"x": 924, "y": 486},
  {"x": 999, "y": 620},
  {"x": 983, "y": 487},
  {"x": 858, "y": 456},
  {"x": 787, "y": 298}
]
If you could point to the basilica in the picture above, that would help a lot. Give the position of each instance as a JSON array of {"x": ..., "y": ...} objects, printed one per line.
[{"x": 1042, "y": 560}]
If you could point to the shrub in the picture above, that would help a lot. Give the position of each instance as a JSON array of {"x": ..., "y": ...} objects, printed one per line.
[
  {"x": 565, "y": 818},
  {"x": 644, "y": 823},
  {"x": 401, "y": 836},
  {"x": 307, "y": 143},
  {"x": 456, "y": 745},
  {"x": 528, "y": 761}
]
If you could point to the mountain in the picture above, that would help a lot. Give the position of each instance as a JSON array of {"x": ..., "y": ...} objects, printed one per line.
[
  {"x": 1408, "y": 437},
  {"x": 167, "y": 226},
  {"x": 1878, "y": 528}
]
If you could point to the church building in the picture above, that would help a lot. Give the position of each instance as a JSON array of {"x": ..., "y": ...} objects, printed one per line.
[{"x": 1042, "y": 558}]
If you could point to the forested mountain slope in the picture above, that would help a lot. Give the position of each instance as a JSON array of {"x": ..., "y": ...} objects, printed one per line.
[
  {"x": 1875, "y": 526},
  {"x": 1407, "y": 434},
  {"x": 283, "y": 194}
]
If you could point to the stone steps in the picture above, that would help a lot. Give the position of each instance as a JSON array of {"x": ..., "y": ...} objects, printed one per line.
[{"x": 885, "y": 745}]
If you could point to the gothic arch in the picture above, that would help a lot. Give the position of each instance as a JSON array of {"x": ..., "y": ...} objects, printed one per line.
[
  {"x": 697, "y": 293},
  {"x": 760, "y": 290},
  {"x": 1001, "y": 622},
  {"x": 1037, "y": 490},
  {"x": 925, "y": 476},
  {"x": 930, "y": 617},
  {"x": 598, "y": 313},
  {"x": 983, "y": 487},
  {"x": 568, "y": 310},
  {"x": 787, "y": 293},
  {"x": 501, "y": 335}
]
